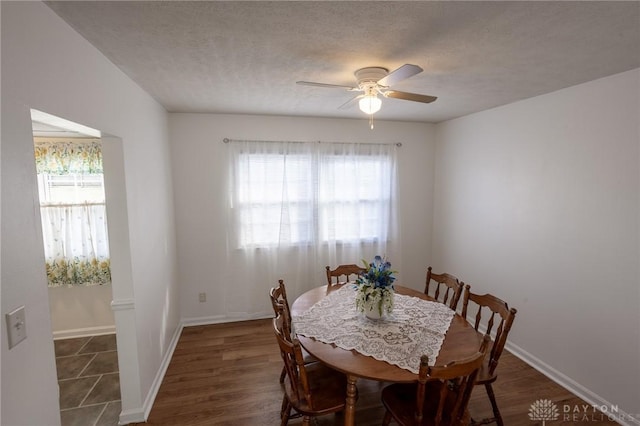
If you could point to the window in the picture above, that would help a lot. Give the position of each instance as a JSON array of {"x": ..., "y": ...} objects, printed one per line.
[
  {"x": 73, "y": 212},
  {"x": 71, "y": 188},
  {"x": 294, "y": 193}
]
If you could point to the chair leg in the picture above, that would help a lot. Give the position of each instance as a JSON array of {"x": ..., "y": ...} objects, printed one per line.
[
  {"x": 282, "y": 375},
  {"x": 306, "y": 421},
  {"x": 283, "y": 407},
  {"x": 494, "y": 404},
  {"x": 387, "y": 418},
  {"x": 285, "y": 412}
]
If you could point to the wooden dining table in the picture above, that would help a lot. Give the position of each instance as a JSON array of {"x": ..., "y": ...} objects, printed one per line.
[{"x": 461, "y": 340}]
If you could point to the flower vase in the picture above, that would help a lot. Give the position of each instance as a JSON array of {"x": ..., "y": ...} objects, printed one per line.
[
  {"x": 376, "y": 305},
  {"x": 374, "y": 289},
  {"x": 372, "y": 310}
]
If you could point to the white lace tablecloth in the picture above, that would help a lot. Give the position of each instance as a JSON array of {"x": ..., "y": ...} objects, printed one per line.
[{"x": 416, "y": 327}]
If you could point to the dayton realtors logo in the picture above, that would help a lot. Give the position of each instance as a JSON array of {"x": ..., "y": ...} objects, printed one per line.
[{"x": 546, "y": 410}]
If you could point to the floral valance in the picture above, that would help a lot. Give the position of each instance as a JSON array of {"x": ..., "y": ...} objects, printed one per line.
[
  {"x": 68, "y": 157},
  {"x": 78, "y": 272}
]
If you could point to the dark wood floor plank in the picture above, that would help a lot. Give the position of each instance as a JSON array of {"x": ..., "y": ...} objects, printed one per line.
[{"x": 227, "y": 374}]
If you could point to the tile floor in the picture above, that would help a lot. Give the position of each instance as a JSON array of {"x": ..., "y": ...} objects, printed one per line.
[{"x": 89, "y": 381}]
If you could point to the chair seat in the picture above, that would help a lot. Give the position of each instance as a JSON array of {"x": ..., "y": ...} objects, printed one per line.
[
  {"x": 401, "y": 399},
  {"x": 328, "y": 388}
]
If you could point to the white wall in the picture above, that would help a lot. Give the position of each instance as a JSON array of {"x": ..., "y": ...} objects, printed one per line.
[
  {"x": 81, "y": 311},
  {"x": 49, "y": 67},
  {"x": 537, "y": 202},
  {"x": 199, "y": 159}
]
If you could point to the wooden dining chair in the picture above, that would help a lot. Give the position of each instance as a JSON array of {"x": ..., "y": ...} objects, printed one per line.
[
  {"x": 439, "y": 398},
  {"x": 280, "y": 305},
  {"x": 343, "y": 274},
  {"x": 447, "y": 288},
  {"x": 312, "y": 389},
  {"x": 491, "y": 312},
  {"x": 281, "y": 308}
]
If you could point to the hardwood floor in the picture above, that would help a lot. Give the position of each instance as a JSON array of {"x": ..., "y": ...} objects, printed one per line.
[{"x": 227, "y": 374}]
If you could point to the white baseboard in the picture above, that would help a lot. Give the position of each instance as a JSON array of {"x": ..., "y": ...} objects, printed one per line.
[
  {"x": 84, "y": 332},
  {"x": 131, "y": 416},
  {"x": 216, "y": 319},
  {"x": 571, "y": 385},
  {"x": 157, "y": 381},
  {"x": 219, "y": 319},
  {"x": 141, "y": 414}
]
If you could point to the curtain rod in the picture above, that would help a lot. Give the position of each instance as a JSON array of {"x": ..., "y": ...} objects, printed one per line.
[{"x": 227, "y": 140}]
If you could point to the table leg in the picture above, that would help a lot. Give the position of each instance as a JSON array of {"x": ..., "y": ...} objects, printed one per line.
[{"x": 350, "y": 409}]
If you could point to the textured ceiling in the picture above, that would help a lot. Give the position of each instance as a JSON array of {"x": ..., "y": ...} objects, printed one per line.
[{"x": 245, "y": 57}]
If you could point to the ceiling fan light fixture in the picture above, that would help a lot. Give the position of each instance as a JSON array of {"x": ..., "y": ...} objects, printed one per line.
[
  {"x": 374, "y": 81},
  {"x": 370, "y": 104}
]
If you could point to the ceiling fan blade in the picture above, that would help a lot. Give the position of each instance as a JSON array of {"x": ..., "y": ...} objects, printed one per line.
[
  {"x": 399, "y": 74},
  {"x": 333, "y": 86},
  {"x": 409, "y": 96},
  {"x": 350, "y": 102}
]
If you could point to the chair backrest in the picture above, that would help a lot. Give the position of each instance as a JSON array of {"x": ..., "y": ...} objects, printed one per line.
[
  {"x": 281, "y": 307},
  {"x": 291, "y": 352},
  {"x": 343, "y": 274},
  {"x": 448, "y": 288},
  {"x": 493, "y": 307},
  {"x": 456, "y": 383}
]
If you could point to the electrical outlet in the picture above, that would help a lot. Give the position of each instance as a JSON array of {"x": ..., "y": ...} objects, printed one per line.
[
  {"x": 16, "y": 326},
  {"x": 202, "y": 297}
]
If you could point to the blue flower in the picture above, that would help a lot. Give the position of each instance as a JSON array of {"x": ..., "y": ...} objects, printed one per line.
[
  {"x": 378, "y": 274},
  {"x": 375, "y": 286}
]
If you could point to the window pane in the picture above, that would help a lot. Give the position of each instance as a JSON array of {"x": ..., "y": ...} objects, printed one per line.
[
  {"x": 354, "y": 198},
  {"x": 274, "y": 199},
  {"x": 71, "y": 189}
]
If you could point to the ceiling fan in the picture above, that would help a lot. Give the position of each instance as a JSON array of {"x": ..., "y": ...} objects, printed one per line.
[{"x": 374, "y": 81}]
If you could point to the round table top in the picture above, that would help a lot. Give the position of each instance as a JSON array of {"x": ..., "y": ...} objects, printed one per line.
[{"x": 461, "y": 341}]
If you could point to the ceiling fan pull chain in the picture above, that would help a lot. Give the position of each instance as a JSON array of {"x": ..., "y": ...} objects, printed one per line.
[{"x": 371, "y": 121}]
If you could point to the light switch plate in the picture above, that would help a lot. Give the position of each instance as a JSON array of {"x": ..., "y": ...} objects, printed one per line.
[{"x": 16, "y": 326}]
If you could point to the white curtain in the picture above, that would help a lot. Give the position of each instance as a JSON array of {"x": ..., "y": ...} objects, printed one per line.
[
  {"x": 296, "y": 207},
  {"x": 76, "y": 244}
]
